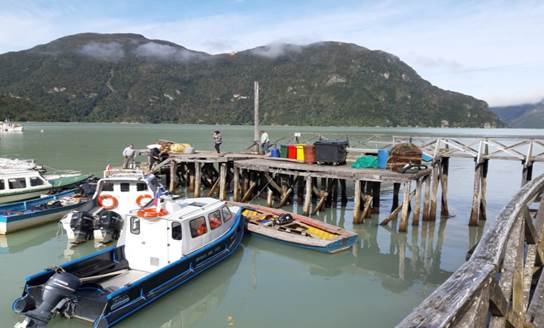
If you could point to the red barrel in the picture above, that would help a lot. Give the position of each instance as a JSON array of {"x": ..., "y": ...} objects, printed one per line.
[{"x": 292, "y": 151}]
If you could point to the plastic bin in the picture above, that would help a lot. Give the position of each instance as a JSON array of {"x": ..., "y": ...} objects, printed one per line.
[
  {"x": 309, "y": 154},
  {"x": 274, "y": 152},
  {"x": 300, "y": 152},
  {"x": 331, "y": 151},
  {"x": 292, "y": 151},
  {"x": 283, "y": 151},
  {"x": 383, "y": 155}
]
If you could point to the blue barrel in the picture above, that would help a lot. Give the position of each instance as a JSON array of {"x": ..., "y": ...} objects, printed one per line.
[
  {"x": 275, "y": 152},
  {"x": 383, "y": 154}
]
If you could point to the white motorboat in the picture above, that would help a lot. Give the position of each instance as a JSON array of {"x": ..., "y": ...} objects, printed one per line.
[
  {"x": 9, "y": 127},
  {"x": 118, "y": 193}
]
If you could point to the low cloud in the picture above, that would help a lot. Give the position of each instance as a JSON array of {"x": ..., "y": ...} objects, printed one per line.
[
  {"x": 164, "y": 52},
  {"x": 110, "y": 51},
  {"x": 275, "y": 50}
]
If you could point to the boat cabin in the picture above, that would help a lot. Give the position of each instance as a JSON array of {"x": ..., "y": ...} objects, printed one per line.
[
  {"x": 124, "y": 190},
  {"x": 18, "y": 185},
  {"x": 152, "y": 243}
]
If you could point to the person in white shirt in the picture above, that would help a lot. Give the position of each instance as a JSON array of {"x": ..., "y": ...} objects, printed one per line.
[
  {"x": 128, "y": 156},
  {"x": 265, "y": 142}
]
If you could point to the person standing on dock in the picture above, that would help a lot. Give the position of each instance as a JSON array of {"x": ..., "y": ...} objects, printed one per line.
[
  {"x": 217, "y": 141},
  {"x": 128, "y": 156},
  {"x": 265, "y": 142},
  {"x": 154, "y": 157}
]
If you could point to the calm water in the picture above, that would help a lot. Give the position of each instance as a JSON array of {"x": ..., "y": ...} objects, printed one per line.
[{"x": 267, "y": 284}]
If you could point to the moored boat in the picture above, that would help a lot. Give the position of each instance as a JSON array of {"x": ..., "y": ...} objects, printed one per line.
[
  {"x": 118, "y": 193},
  {"x": 295, "y": 229},
  {"x": 21, "y": 184},
  {"x": 25, "y": 214},
  {"x": 8, "y": 126},
  {"x": 162, "y": 249}
]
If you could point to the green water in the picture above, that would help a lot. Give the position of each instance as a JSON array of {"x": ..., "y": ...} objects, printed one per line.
[{"x": 267, "y": 284}]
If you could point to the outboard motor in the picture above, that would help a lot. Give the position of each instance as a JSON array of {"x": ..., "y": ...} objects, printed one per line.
[
  {"x": 110, "y": 224},
  {"x": 283, "y": 219},
  {"x": 57, "y": 296},
  {"x": 82, "y": 223}
]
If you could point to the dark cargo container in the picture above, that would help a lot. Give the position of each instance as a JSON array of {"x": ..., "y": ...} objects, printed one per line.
[{"x": 331, "y": 151}]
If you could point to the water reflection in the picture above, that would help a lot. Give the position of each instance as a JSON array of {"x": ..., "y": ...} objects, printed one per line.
[
  {"x": 398, "y": 259},
  {"x": 20, "y": 240},
  {"x": 188, "y": 305}
]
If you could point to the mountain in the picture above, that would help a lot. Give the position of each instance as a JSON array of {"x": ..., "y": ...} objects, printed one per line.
[
  {"x": 127, "y": 77},
  {"x": 522, "y": 116}
]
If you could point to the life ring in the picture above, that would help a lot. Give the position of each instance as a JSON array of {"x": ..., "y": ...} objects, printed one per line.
[
  {"x": 151, "y": 212},
  {"x": 107, "y": 201},
  {"x": 142, "y": 200}
]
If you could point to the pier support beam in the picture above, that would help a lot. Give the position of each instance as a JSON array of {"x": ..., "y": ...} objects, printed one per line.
[
  {"x": 236, "y": 185},
  {"x": 527, "y": 173},
  {"x": 307, "y": 196},
  {"x": 173, "y": 168},
  {"x": 417, "y": 205},
  {"x": 444, "y": 170},
  {"x": 435, "y": 183},
  {"x": 405, "y": 204},
  {"x": 198, "y": 180},
  {"x": 427, "y": 199},
  {"x": 357, "y": 214},
  {"x": 223, "y": 182},
  {"x": 343, "y": 193},
  {"x": 395, "y": 202},
  {"x": 376, "y": 186}
]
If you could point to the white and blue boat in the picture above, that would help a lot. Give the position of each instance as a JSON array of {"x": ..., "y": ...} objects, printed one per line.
[
  {"x": 25, "y": 214},
  {"x": 160, "y": 250}
]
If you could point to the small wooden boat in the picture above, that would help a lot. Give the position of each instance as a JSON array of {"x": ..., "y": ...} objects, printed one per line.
[
  {"x": 161, "y": 249},
  {"x": 25, "y": 214},
  {"x": 295, "y": 229}
]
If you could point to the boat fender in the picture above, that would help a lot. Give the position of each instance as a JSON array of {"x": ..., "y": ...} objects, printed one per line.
[
  {"x": 284, "y": 219},
  {"x": 142, "y": 200},
  {"x": 107, "y": 201},
  {"x": 151, "y": 212}
]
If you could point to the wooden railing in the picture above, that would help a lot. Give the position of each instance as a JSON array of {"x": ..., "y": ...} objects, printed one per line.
[{"x": 502, "y": 284}]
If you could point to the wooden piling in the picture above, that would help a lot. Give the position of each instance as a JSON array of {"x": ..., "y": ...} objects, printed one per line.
[
  {"x": 308, "y": 195},
  {"x": 395, "y": 202},
  {"x": 173, "y": 168},
  {"x": 482, "y": 214},
  {"x": 357, "y": 214},
  {"x": 405, "y": 202},
  {"x": 269, "y": 197},
  {"x": 527, "y": 173},
  {"x": 427, "y": 199},
  {"x": 434, "y": 193},
  {"x": 376, "y": 186},
  {"x": 236, "y": 185},
  {"x": 223, "y": 182},
  {"x": 417, "y": 205},
  {"x": 198, "y": 180},
  {"x": 444, "y": 170},
  {"x": 343, "y": 193}
]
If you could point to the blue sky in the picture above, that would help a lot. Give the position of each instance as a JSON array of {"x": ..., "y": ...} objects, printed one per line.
[{"x": 493, "y": 50}]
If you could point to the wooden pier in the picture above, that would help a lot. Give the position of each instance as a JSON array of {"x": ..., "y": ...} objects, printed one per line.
[{"x": 248, "y": 176}]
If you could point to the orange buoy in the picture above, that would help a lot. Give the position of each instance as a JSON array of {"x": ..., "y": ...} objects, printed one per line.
[
  {"x": 107, "y": 201},
  {"x": 151, "y": 212},
  {"x": 142, "y": 200}
]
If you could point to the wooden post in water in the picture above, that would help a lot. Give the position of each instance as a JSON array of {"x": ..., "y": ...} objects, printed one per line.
[
  {"x": 405, "y": 202},
  {"x": 427, "y": 198},
  {"x": 343, "y": 193},
  {"x": 444, "y": 170},
  {"x": 435, "y": 183},
  {"x": 198, "y": 179},
  {"x": 173, "y": 167},
  {"x": 417, "y": 205},
  {"x": 476, "y": 197},
  {"x": 395, "y": 203},
  {"x": 223, "y": 182},
  {"x": 357, "y": 213},
  {"x": 236, "y": 185},
  {"x": 269, "y": 197},
  {"x": 483, "y": 191},
  {"x": 307, "y": 196},
  {"x": 376, "y": 186},
  {"x": 527, "y": 173}
]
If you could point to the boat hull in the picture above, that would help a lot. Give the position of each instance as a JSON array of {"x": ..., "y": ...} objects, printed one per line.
[
  {"x": 125, "y": 301},
  {"x": 8, "y": 227},
  {"x": 16, "y": 197}
]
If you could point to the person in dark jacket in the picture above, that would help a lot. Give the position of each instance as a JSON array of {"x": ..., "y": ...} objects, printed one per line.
[
  {"x": 154, "y": 157},
  {"x": 217, "y": 141}
]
